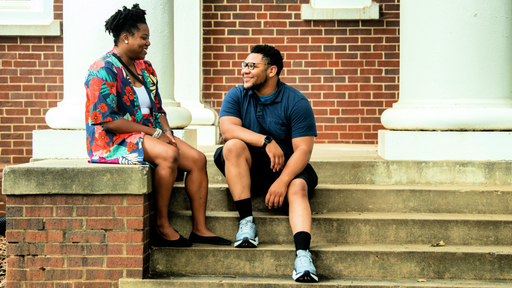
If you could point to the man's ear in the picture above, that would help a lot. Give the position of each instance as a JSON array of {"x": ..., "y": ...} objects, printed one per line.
[{"x": 272, "y": 71}]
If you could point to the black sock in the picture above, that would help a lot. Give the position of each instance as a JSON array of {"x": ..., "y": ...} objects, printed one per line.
[
  {"x": 302, "y": 240},
  {"x": 244, "y": 207}
]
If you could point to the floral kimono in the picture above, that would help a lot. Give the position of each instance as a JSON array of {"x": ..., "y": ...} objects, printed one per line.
[{"x": 111, "y": 96}]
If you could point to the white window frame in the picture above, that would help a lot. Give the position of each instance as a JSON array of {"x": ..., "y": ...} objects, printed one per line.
[
  {"x": 340, "y": 10},
  {"x": 28, "y": 17}
]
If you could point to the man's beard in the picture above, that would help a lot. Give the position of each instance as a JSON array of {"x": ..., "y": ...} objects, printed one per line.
[{"x": 258, "y": 86}]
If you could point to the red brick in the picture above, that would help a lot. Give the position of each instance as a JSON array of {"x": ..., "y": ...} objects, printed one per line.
[
  {"x": 25, "y": 224},
  {"x": 77, "y": 262},
  {"x": 15, "y": 262},
  {"x": 359, "y": 79},
  {"x": 44, "y": 236},
  {"x": 64, "y": 200},
  {"x": 6, "y": 88},
  {"x": 64, "y": 224},
  {"x": 104, "y": 224},
  {"x": 64, "y": 249},
  {"x": 250, "y": 8},
  {"x": 134, "y": 273},
  {"x": 134, "y": 224},
  {"x": 85, "y": 237},
  {"x": 39, "y": 285},
  {"x": 63, "y": 274},
  {"x": 346, "y": 87},
  {"x": 103, "y": 249},
  {"x": 25, "y": 249},
  {"x": 322, "y": 40},
  {"x": 14, "y": 236},
  {"x": 38, "y": 211},
  {"x": 124, "y": 237},
  {"x": 103, "y": 274},
  {"x": 129, "y": 211},
  {"x": 352, "y": 63},
  {"x": 275, "y": 24},
  {"x": 94, "y": 211},
  {"x": 45, "y": 262},
  {"x": 124, "y": 262}
]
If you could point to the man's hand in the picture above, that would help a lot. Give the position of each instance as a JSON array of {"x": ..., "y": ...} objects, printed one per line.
[
  {"x": 276, "y": 194},
  {"x": 276, "y": 156}
]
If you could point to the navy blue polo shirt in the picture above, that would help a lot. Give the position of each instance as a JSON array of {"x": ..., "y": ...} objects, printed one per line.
[{"x": 284, "y": 116}]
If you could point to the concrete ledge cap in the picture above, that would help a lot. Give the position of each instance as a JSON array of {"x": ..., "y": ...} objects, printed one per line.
[{"x": 76, "y": 177}]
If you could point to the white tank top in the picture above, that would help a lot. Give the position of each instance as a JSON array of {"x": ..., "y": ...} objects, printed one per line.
[{"x": 145, "y": 103}]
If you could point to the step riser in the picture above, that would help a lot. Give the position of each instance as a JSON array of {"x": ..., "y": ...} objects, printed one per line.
[
  {"x": 258, "y": 282},
  {"x": 397, "y": 200},
  {"x": 404, "y": 172},
  {"x": 333, "y": 264},
  {"x": 276, "y": 230}
]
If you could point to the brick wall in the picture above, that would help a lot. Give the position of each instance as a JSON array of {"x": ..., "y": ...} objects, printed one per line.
[
  {"x": 73, "y": 241},
  {"x": 347, "y": 69},
  {"x": 31, "y": 78}
]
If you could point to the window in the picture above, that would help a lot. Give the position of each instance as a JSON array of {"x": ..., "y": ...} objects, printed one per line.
[
  {"x": 27, "y": 17},
  {"x": 340, "y": 9}
]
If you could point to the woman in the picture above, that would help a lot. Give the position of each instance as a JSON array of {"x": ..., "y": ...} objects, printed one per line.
[{"x": 126, "y": 124}]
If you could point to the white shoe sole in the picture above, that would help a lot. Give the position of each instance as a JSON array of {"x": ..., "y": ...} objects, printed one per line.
[
  {"x": 304, "y": 276},
  {"x": 247, "y": 243}
]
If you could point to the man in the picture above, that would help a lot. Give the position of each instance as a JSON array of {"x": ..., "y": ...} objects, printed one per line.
[{"x": 269, "y": 128}]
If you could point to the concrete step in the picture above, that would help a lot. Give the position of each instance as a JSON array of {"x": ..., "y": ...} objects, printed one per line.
[
  {"x": 484, "y": 263},
  {"x": 366, "y": 228},
  {"x": 377, "y": 198},
  {"x": 261, "y": 282},
  {"x": 382, "y": 172}
]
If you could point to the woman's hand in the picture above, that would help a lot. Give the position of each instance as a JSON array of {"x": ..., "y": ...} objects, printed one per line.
[{"x": 168, "y": 138}]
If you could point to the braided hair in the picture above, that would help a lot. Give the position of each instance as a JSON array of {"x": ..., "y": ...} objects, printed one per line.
[
  {"x": 270, "y": 55},
  {"x": 126, "y": 20}
]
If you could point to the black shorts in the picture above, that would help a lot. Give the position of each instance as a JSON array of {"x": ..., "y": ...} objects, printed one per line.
[{"x": 262, "y": 176}]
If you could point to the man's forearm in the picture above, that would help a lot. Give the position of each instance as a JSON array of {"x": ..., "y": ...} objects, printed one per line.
[
  {"x": 238, "y": 132},
  {"x": 295, "y": 165}
]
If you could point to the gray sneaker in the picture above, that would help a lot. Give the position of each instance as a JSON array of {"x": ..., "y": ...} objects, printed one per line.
[
  {"x": 304, "y": 269},
  {"x": 246, "y": 236}
]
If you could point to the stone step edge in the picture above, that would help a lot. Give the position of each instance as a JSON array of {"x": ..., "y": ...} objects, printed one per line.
[
  {"x": 433, "y": 187},
  {"x": 376, "y": 248},
  {"x": 285, "y": 282},
  {"x": 365, "y": 216}
]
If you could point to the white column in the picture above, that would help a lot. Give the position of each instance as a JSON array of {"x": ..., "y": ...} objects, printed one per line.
[
  {"x": 85, "y": 40},
  {"x": 188, "y": 57},
  {"x": 455, "y": 71}
]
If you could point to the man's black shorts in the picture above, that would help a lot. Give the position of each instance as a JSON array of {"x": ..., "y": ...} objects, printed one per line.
[{"x": 262, "y": 177}]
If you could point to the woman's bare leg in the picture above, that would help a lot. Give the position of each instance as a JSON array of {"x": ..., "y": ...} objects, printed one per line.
[
  {"x": 165, "y": 157},
  {"x": 193, "y": 162}
]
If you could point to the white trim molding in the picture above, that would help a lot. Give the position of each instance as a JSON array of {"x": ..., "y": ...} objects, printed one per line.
[
  {"x": 340, "y": 10},
  {"x": 27, "y": 18}
]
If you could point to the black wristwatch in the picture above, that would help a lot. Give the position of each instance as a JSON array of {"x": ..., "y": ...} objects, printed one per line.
[{"x": 267, "y": 140}]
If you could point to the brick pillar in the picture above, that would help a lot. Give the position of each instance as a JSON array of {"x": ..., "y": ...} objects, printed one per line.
[
  {"x": 77, "y": 238},
  {"x": 76, "y": 224}
]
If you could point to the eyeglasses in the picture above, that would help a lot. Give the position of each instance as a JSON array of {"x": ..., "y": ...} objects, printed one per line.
[{"x": 251, "y": 65}]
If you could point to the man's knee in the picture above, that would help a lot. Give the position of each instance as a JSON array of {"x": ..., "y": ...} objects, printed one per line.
[
  {"x": 235, "y": 149},
  {"x": 297, "y": 190}
]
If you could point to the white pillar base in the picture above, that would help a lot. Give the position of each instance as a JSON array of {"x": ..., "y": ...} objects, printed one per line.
[
  {"x": 445, "y": 145},
  {"x": 178, "y": 117},
  {"x": 206, "y": 135},
  {"x": 70, "y": 144}
]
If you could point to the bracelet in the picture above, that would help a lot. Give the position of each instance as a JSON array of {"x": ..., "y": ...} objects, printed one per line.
[
  {"x": 157, "y": 133},
  {"x": 167, "y": 130}
]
